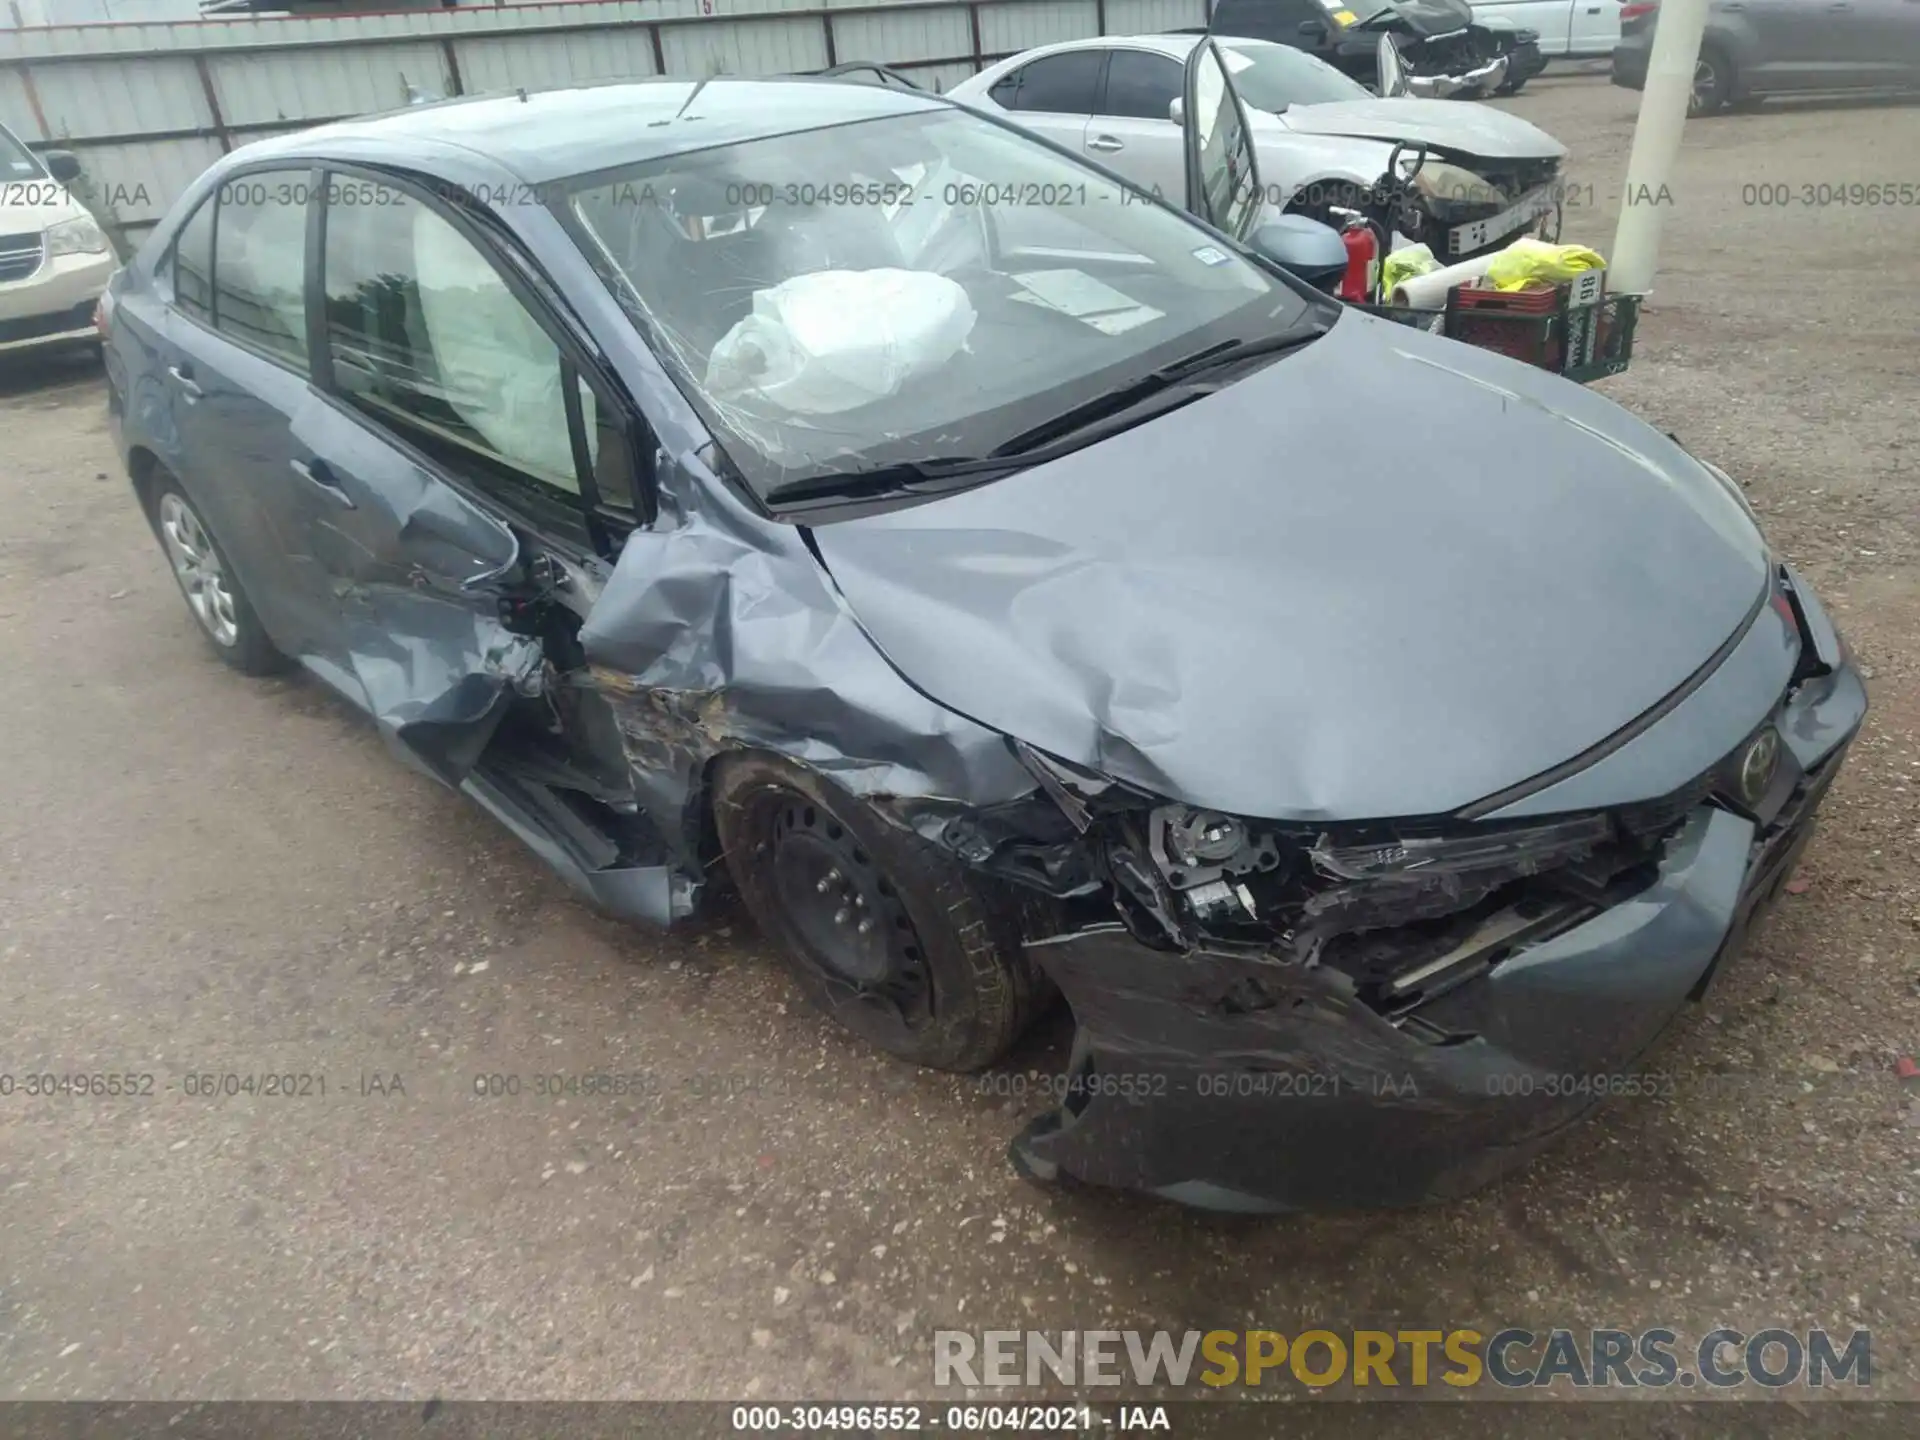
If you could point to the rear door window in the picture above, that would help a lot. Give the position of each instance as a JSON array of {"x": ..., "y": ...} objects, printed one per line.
[{"x": 260, "y": 263}]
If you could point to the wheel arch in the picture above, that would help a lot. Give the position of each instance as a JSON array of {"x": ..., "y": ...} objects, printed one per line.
[
  {"x": 1310, "y": 194},
  {"x": 144, "y": 469}
]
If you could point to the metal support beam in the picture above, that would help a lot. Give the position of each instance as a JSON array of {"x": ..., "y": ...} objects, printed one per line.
[
  {"x": 1656, "y": 145},
  {"x": 213, "y": 104}
]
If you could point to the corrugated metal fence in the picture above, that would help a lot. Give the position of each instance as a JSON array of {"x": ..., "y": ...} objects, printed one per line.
[{"x": 148, "y": 107}]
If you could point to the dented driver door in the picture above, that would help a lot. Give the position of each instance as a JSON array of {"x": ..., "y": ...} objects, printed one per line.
[
  {"x": 442, "y": 399},
  {"x": 421, "y": 578}
]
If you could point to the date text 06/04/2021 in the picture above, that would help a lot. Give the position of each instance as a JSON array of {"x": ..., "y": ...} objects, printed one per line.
[{"x": 1078, "y": 1418}]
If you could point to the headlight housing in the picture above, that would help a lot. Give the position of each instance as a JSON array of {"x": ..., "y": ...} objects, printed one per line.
[
  {"x": 1453, "y": 189},
  {"x": 80, "y": 236}
]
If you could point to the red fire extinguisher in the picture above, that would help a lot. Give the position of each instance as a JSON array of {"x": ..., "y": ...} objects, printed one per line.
[{"x": 1363, "y": 257}]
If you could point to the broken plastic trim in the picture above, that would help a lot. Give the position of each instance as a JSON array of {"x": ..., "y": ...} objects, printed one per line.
[
  {"x": 1526, "y": 849},
  {"x": 1070, "y": 787},
  {"x": 1183, "y": 878}
]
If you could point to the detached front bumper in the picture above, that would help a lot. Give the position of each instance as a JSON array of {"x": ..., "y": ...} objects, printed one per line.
[
  {"x": 1481, "y": 79},
  {"x": 1239, "y": 1082}
]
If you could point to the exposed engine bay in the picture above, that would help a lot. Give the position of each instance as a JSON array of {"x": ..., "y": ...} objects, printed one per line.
[
  {"x": 1406, "y": 910},
  {"x": 1444, "y": 53}
]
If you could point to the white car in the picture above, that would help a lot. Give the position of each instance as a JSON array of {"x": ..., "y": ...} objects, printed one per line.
[
  {"x": 1571, "y": 29},
  {"x": 1324, "y": 142},
  {"x": 54, "y": 258}
]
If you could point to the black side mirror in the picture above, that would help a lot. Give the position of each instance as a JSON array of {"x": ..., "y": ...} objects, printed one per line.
[
  {"x": 63, "y": 165},
  {"x": 1307, "y": 248},
  {"x": 1312, "y": 27}
]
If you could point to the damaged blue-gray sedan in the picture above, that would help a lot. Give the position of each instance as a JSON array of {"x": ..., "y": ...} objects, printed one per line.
[{"x": 1015, "y": 586}]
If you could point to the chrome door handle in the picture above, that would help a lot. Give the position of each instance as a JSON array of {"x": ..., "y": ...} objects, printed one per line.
[
  {"x": 1105, "y": 143},
  {"x": 321, "y": 478},
  {"x": 184, "y": 379}
]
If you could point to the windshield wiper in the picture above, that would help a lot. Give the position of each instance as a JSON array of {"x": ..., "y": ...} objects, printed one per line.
[
  {"x": 1118, "y": 405},
  {"x": 1232, "y": 352},
  {"x": 1170, "y": 387},
  {"x": 900, "y": 477}
]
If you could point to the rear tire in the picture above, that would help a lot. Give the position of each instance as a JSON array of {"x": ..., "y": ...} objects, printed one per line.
[
  {"x": 207, "y": 583},
  {"x": 1712, "y": 82},
  {"x": 894, "y": 940}
]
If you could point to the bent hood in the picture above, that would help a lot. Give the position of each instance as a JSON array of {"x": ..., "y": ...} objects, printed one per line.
[
  {"x": 1466, "y": 127},
  {"x": 1425, "y": 18},
  {"x": 1385, "y": 575}
]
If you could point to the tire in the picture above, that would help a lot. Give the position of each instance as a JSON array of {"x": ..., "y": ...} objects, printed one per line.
[
  {"x": 1512, "y": 87},
  {"x": 898, "y": 943},
  {"x": 1712, "y": 82},
  {"x": 214, "y": 597}
]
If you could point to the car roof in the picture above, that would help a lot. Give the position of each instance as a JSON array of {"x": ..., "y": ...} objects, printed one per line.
[
  {"x": 550, "y": 134},
  {"x": 1177, "y": 44}
]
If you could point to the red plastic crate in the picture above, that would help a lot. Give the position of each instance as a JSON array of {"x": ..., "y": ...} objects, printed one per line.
[{"x": 1518, "y": 323}]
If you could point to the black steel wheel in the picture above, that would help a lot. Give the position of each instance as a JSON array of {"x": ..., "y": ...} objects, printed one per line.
[{"x": 896, "y": 941}]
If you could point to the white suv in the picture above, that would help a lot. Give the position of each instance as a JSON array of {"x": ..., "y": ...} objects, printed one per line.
[{"x": 54, "y": 259}]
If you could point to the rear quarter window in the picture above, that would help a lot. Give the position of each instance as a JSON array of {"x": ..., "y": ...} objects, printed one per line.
[
  {"x": 1063, "y": 84},
  {"x": 191, "y": 261}
]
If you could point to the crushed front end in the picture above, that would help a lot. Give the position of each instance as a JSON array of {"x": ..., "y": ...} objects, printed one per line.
[{"x": 1277, "y": 1015}]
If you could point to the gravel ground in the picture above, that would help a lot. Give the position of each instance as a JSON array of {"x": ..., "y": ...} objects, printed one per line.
[{"x": 201, "y": 873}]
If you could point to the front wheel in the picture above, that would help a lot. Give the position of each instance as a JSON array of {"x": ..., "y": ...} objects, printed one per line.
[
  {"x": 1512, "y": 87},
  {"x": 897, "y": 942}
]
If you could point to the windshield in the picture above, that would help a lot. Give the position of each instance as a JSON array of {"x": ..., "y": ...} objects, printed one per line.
[
  {"x": 1272, "y": 77},
  {"x": 16, "y": 161},
  {"x": 912, "y": 288}
]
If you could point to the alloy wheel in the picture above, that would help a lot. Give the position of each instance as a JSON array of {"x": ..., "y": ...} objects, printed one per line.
[
  {"x": 197, "y": 566},
  {"x": 1706, "y": 85}
]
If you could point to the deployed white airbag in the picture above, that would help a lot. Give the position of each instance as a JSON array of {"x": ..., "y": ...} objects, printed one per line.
[{"x": 838, "y": 339}]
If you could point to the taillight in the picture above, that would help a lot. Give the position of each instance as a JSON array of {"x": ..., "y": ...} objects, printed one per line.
[
  {"x": 103, "y": 313},
  {"x": 1638, "y": 8}
]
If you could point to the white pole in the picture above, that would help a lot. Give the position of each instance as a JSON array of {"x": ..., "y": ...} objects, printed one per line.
[{"x": 1656, "y": 144}]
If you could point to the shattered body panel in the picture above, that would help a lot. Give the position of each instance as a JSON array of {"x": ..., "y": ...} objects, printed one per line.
[
  {"x": 1230, "y": 1081},
  {"x": 1347, "y": 793},
  {"x": 720, "y": 633}
]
